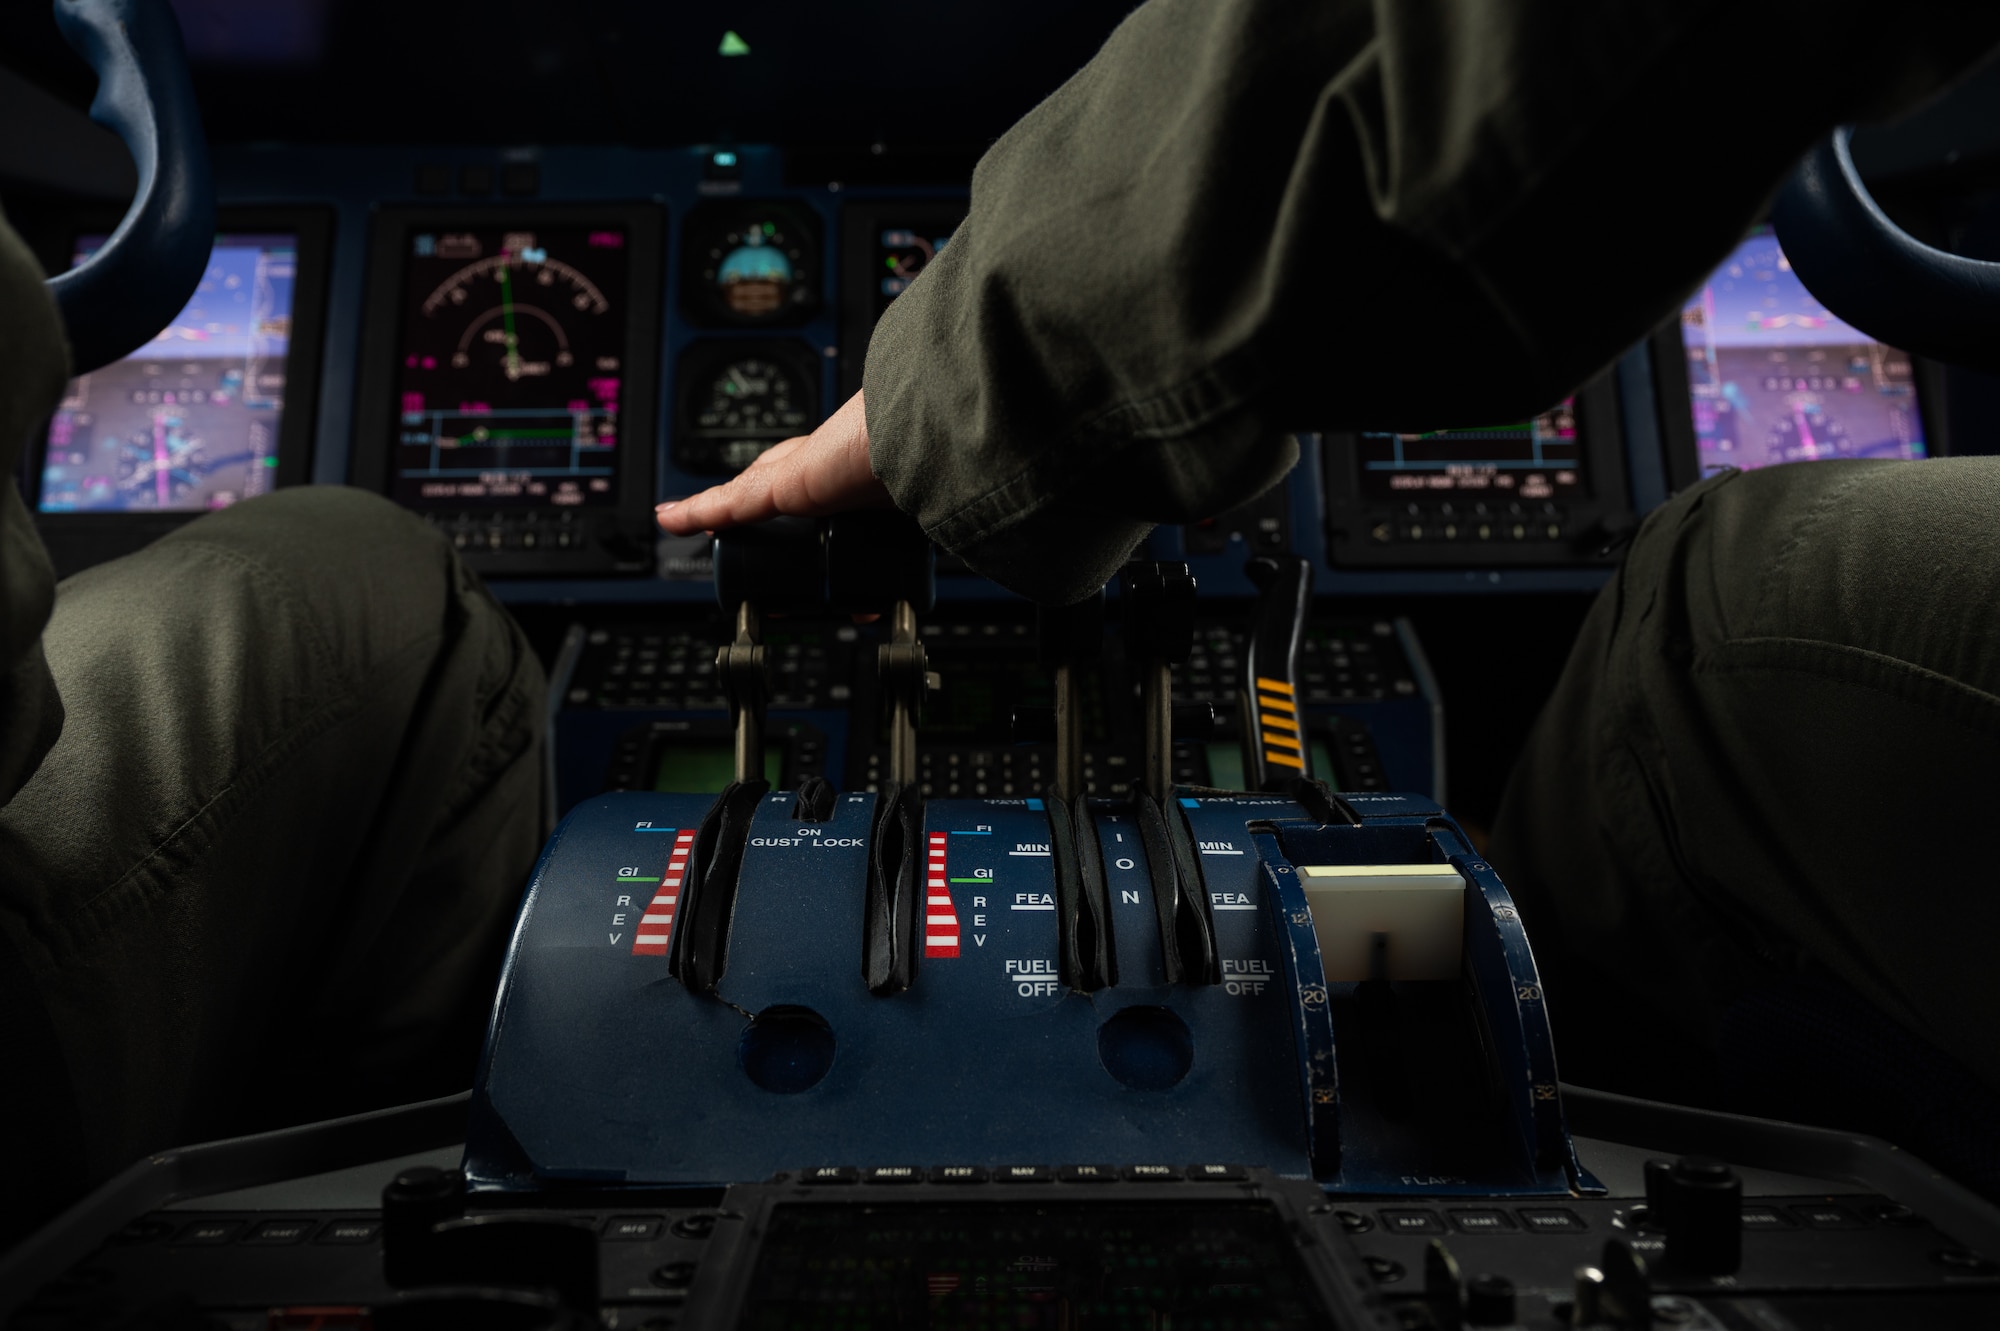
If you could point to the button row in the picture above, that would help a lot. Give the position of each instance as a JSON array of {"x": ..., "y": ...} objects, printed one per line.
[
  {"x": 291, "y": 1230},
  {"x": 1562, "y": 1220},
  {"x": 261, "y": 1233},
  {"x": 1467, "y": 1220},
  {"x": 559, "y": 530},
  {"x": 1488, "y": 523},
  {"x": 890, "y": 1175}
]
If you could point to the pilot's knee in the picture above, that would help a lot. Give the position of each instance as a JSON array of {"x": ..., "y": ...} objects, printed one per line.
[
  {"x": 1886, "y": 557},
  {"x": 309, "y": 525}
]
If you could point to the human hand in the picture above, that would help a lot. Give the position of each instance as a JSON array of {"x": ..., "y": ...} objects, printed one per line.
[{"x": 809, "y": 476}]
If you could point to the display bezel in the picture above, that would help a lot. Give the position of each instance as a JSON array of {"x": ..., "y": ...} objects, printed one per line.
[
  {"x": 1676, "y": 404},
  {"x": 77, "y": 541},
  {"x": 1593, "y": 517},
  {"x": 621, "y": 533}
]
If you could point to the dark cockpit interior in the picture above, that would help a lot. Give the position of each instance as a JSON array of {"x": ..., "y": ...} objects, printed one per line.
[{"x": 1518, "y": 862}]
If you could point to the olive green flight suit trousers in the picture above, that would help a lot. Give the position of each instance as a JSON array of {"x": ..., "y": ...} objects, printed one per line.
[
  {"x": 266, "y": 874},
  {"x": 1751, "y": 834}
]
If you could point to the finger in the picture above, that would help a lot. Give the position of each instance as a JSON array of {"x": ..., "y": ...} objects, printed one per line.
[{"x": 745, "y": 497}]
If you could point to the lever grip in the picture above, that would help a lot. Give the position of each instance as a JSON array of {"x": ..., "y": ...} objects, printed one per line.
[
  {"x": 119, "y": 298},
  {"x": 1274, "y": 749},
  {"x": 875, "y": 559},
  {"x": 860, "y": 563},
  {"x": 775, "y": 565}
]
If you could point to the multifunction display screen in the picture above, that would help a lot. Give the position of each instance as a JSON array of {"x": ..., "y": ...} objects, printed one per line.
[
  {"x": 1530, "y": 460},
  {"x": 1774, "y": 377},
  {"x": 510, "y": 368},
  {"x": 1030, "y": 1268},
  {"x": 190, "y": 420}
]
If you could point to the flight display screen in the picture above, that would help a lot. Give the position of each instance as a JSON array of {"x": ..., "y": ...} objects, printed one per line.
[
  {"x": 188, "y": 422},
  {"x": 510, "y": 366},
  {"x": 1528, "y": 460},
  {"x": 1773, "y": 376},
  {"x": 1052, "y": 1265}
]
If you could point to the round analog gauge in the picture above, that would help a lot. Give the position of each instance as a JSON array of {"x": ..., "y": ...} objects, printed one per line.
[
  {"x": 755, "y": 396},
  {"x": 739, "y": 406},
  {"x": 758, "y": 268}
]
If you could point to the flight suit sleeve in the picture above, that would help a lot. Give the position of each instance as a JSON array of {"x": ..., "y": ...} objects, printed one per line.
[
  {"x": 1247, "y": 217},
  {"x": 34, "y": 361}
]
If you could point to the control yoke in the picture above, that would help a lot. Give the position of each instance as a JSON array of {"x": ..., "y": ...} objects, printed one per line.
[
  {"x": 1875, "y": 275},
  {"x": 119, "y": 298}
]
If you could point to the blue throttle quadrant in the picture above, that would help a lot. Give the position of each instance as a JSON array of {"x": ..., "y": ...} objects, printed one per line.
[
  {"x": 704, "y": 990},
  {"x": 603, "y": 1068}
]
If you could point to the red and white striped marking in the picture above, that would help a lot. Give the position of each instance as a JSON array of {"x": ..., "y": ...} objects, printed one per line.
[
  {"x": 940, "y": 916},
  {"x": 656, "y": 926}
]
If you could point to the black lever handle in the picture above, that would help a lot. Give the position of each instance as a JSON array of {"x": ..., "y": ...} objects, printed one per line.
[
  {"x": 855, "y": 563},
  {"x": 1071, "y": 640},
  {"x": 775, "y": 565},
  {"x": 876, "y": 559},
  {"x": 1158, "y": 604},
  {"x": 893, "y": 914},
  {"x": 699, "y": 952},
  {"x": 1275, "y": 753}
]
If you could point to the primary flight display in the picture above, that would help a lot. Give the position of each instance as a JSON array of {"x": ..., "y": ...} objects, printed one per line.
[
  {"x": 189, "y": 421},
  {"x": 512, "y": 367},
  {"x": 1774, "y": 376}
]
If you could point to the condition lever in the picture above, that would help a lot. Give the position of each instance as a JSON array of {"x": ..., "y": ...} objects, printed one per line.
[
  {"x": 1275, "y": 753},
  {"x": 1071, "y": 643},
  {"x": 1158, "y": 603}
]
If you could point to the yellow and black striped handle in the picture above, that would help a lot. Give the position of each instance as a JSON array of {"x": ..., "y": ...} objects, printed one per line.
[{"x": 1276, "y": 749}]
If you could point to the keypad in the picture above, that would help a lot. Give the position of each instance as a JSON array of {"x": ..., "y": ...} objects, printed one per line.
[
  {"x": 673, "y": 669},
  {"x": 1353, "y": 662}
]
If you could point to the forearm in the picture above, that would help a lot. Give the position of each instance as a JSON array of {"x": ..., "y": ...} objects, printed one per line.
[{"x": 1246, "y": 218}]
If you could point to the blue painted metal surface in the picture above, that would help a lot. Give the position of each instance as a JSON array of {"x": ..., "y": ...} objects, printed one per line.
[
  {"x": 122, "y": 296},
  {"x": 602, "y": 1068}
]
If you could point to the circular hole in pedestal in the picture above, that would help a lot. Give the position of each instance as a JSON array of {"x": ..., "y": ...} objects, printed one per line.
[
  {"x": 786, "y": 1049},
  {"x": 1146, "y": 1048}
]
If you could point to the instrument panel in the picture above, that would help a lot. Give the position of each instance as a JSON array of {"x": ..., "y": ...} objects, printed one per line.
[{"x": 534, "y": 372}]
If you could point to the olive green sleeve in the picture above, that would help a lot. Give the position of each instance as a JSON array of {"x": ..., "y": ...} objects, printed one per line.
[
  {"x": 1246, "y": 217},
  {"x": 34, "y": 360}
]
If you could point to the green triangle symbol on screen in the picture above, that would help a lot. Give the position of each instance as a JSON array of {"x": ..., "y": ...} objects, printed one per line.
[{"x": 733, "y": 45}]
